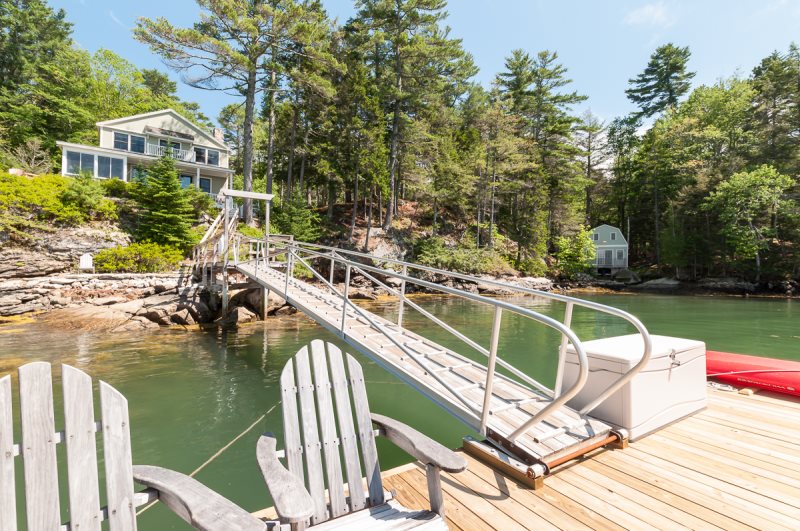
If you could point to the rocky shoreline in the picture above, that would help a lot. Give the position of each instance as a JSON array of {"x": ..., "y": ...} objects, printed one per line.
[{"x": 117, "y": 302}]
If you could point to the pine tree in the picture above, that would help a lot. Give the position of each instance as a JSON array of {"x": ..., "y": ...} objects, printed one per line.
[
  {"x": 663, "y": 82},
  {"x": 415, "y": 60},
  {"x": 228, "y": 50},
  {"x": 166, "y": 214}
]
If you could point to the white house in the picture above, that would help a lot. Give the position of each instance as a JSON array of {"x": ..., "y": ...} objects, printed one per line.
[
  {"x": 611, "y": 247},
  {"x": 130, "y": 144}
]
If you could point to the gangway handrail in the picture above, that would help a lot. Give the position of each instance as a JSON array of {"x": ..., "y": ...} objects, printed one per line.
[
  {"x": 292, "y": 249},
  {"x": 637, "y": 324}
]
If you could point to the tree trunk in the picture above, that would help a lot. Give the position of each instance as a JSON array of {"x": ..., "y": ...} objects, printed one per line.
[
  {"x": 303, "y": 163},
  {"x": 331, "y": 197},
  {"x": 395, "y": 140},
  {"x": 355, "y": 209},
  {"x": 380, "y": 203},
  {"x": 249, "y": 111},
  {"x": 273, "y": 80},
  {"x": 369, "y": 219},
  {"x": 492, "y": 204},
  {"x": 657, "y": 223},
  {"x": 292, "y": 142}
]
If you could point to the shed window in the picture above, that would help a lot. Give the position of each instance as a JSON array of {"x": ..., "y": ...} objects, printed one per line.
[
  {"x": 620, "y": 254},
  {"x": 595, "y": 236},
  {"x": 613, "y": 235}
]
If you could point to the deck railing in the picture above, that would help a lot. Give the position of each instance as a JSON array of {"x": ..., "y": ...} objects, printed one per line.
[
  {"x": 354, "y": 262},
  {"x": 177, "y": 154}
]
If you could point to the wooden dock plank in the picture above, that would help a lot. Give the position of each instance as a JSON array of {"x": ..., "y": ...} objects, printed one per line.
[{"x": 685, "y": 476}]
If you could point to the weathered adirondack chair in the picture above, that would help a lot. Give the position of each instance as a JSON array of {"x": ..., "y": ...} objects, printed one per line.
[
  {"x": 192, "y": 501},
  {"x": 321, "y": 408}
]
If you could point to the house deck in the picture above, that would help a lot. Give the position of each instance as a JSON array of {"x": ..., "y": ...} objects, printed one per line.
[{"x": 735, "y": 465}]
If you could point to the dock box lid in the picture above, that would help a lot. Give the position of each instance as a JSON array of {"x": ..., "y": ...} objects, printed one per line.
[{"x": 629, "y": 349}]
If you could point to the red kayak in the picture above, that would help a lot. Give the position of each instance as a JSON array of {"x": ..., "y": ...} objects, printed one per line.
[{"x": 780, "y": 376}]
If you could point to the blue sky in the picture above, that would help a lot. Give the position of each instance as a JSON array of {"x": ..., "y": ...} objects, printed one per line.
[{"x": 602, "y": 44}]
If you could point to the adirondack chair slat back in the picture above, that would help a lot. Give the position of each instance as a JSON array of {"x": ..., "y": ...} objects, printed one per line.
[
  {"x": 8, "y": 500},
  {"x": 321, "y": 438},
  {"x": 38, "y": 453}
]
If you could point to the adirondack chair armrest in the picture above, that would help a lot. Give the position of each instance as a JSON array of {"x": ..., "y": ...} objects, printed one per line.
[
  {"x": 195, "y": 503},
  {"x": 419, "y": 445},
  {"x": 292, "y": 501}
]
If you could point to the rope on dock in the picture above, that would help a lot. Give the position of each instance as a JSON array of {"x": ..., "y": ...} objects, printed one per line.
[{"x": 219, "y": 452}]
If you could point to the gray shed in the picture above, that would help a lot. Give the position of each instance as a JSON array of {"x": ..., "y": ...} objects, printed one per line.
[{"x": 611, "y": 247}]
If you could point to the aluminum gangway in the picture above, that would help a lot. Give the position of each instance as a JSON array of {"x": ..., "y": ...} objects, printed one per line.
[{"x": 522, "y": 417}]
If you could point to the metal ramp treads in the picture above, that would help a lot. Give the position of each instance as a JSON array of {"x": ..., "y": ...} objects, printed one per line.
[{"x": 565, "y": 433}]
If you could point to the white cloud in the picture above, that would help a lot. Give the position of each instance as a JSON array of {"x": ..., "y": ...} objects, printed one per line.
[
  {"x": 654, "y": 14},
  {"x": 117, "y": 21}
]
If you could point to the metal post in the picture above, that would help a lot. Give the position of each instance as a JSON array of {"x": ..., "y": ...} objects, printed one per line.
[
  {"x": 266, "y": 231},
  {"x": 333, "y": 265},
  {"x": 402, "y": 297},
  {"x": 562, "y": 352},
  {"x": 265, "y": 303},
  {"x": 487, "y": 395},
  {"x": 288, "y": 272},
  {"x": 344, "y": 296}
]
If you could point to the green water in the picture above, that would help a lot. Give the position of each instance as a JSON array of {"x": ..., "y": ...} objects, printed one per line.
[{"x": 190, "y": 393}]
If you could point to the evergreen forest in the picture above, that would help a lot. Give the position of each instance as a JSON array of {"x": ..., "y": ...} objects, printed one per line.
[{"x": 378, "y": 122}]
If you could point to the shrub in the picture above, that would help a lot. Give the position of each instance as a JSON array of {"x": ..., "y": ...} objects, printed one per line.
[
  {"x": 115, "y": 188},
  {"x": 575, "y": 254},
  {"x": 86, "y": 196},
  {"x": 145, "y": 257},
  {"x": 433, "y": 252},
  {"x": 200, "y": 202},
  {"x": 294, "y": 217}
]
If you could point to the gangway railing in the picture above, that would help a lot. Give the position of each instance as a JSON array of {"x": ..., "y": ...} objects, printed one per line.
[{"x": 353, "y": 262}]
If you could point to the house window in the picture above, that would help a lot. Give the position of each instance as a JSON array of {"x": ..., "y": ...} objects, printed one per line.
[
  {"x": 596, "y": 236},
  {"x": 613, "y": 236},
  {"x": 200, "y": 155},
  {"x": 137, "y": 144},
  {"x": 186, "y": 181},
  {"x": 121, "y": 141},
  {"x": 87, "y": 164},
  {"x": 213, "y": 157},
  {"x": 205, "y": 185},
  {"x": 103, "y": 166},
  {"x": 73, "y": 163},
  {"x": 620, "y": 254},
  {"x": 175, "y": 146},
  {"x": 109, "y": 167}
]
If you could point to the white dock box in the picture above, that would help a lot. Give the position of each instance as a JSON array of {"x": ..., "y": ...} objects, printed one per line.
[{"x": 670, "y": 387}]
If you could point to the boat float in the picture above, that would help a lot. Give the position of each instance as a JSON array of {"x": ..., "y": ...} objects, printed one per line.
[{"x": 780, "y": 376}]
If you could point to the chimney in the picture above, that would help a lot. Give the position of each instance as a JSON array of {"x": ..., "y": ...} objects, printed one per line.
[{"x": 218, "y": 134}]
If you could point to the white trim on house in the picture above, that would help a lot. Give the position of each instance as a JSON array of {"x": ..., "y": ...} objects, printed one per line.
[
  {"x": 96, "y": 153},
  {"x": 110, "y": 123},
  {"x": 132, "y": 154}
]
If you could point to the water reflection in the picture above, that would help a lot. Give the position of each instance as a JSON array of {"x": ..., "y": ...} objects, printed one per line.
[{"x": 190, "y": 393}]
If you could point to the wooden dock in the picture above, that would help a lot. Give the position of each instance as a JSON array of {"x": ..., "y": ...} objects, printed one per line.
[
  {"x": 735, "y": 465},
  {"x": 565, "y": 433}
]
